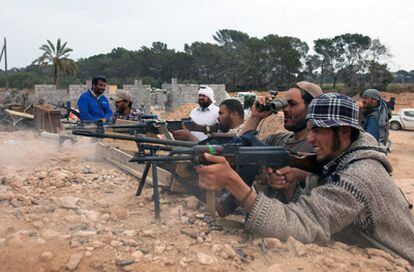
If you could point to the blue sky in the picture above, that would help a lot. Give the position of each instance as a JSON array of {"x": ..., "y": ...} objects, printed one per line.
[{"x": 92, "y": 27}]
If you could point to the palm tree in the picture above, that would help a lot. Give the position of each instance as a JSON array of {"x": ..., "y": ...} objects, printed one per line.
[{"x": 59, "y": 58}]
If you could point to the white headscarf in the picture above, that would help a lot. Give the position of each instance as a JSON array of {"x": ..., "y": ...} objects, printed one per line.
[{"x": 207, "y": 91}]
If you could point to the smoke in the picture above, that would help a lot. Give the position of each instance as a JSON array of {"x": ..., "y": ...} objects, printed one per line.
[{"x": 26, "y": 150}]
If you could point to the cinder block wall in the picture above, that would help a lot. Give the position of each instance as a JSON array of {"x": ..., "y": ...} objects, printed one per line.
[
  {"x": 74, "y": 92},
  {"x": 180, "y": 94},
  {"x": 49, "y": 93},
  {"x": 175, "y": 94},
  {"x": 140, "y": 94}
]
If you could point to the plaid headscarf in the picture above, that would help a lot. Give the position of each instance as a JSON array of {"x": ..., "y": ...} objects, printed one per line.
[{"x": 333, "y": 110}]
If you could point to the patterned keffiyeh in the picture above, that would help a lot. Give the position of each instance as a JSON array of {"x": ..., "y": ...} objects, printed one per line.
[{"x": 333, "y": 110}]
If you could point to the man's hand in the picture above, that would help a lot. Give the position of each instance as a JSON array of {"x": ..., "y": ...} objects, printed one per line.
[
  {"x": 256, "y": 116},
  {"x": 182, "y": 134},
  {"x": 278, "y": 179},
  {"x": 261, "y": 114},
  {"x": 215, "y": 176},
  {"x": 284, "y": 179},
  {"x": 220, "y": 175},
  {"x": 103, "y": 120}
]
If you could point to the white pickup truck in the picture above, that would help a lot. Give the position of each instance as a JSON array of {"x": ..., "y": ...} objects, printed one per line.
[{"x": 404, "y": 119}]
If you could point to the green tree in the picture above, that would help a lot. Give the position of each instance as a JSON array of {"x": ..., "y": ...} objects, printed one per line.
[
  {"x": 355, "y": 52},
  {"x": 312, "y": 64},
  {"x": 379, "y": 76},
  {"x": 281, "y": 59},
  {"x": 209, "y": 62},
  {"x": 402, "y": 76},
  {"x": 331, "y": 58},
  {"x": 58, "y": 57},
  {"x": 239, "y": 51}
]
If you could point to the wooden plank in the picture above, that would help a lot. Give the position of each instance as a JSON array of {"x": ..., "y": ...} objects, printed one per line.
[
  {"x": 128, "y": 146},
  {"x": 121, "y": 159},
  {"x": 19, "y": 114},
  {"x": 211, "y": 203}
]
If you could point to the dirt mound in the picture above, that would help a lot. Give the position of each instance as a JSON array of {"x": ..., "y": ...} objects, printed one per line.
[
  {"x": 271, "y": 125},
  {"x": 182, "y": 112}
]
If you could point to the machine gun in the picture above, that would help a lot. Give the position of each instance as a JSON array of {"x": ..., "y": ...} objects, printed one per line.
[
  {"x": 151, "y": 126},
  {"x": 239, "y": 156},
  {"x": 246, "y": 160}
]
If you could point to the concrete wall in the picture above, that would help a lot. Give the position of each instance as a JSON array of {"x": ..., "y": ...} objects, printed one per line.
[
  {"x": 140, "y": 94},
  {"x": 49, "y": 93},
  {"x": 180, "y": 94},
  {"x": 172, "y": 95},
  {"x": 74, "y": 92}
]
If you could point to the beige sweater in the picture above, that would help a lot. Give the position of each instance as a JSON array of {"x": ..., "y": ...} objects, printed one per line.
[{"x": 356, "y": 195}]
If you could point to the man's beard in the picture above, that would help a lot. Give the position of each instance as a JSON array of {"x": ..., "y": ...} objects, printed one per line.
[
  {"x": 120, "y": 109},
  {"x": 98, "y": 92},
  {"x": 336, "y": 145},
  {"x": 370, "y": 107},
  {"x": 224, "y": 127},
  {"x": 298, "y": 126},
  {"x": 204, "y": 104}
]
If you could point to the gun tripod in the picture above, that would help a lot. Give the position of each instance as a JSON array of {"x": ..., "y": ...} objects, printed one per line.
[{"x": 150, "y": 164}]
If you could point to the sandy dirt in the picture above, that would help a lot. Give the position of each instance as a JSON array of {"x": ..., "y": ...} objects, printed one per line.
[{"x": 62, "y": 209}]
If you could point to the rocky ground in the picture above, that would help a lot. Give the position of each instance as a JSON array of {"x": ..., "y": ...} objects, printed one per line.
[{"x": 62, "y": 209}]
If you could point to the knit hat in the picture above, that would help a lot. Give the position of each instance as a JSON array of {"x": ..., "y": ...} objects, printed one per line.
[
  {"x": 333, "y": 110},
  {"x": 311, "y": 88},
  {"x": 207, "y": 91},
  {"x": 121, "y": 95},
  {"x": 375, "y": 94}
]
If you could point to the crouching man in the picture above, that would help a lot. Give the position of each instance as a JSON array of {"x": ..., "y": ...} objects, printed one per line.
[{"x": 355, "y": 201}]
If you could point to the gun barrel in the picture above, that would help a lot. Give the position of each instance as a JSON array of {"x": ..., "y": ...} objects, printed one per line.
[
  {"x": 107, "y": 126},
  {"x": 137, "y": 139},
  {"x": 144, "y": 159}
]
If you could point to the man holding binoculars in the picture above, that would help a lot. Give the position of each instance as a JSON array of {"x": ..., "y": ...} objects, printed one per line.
[{"x": 298, "y": 98}]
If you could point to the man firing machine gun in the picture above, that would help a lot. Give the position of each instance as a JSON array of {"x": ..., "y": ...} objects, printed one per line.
[
  {"x": 246, "y": 154},
  {"x": 239, "y": 156}
]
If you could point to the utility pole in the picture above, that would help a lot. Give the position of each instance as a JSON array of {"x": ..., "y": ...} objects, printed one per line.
[{"x": 4, "y": 51}]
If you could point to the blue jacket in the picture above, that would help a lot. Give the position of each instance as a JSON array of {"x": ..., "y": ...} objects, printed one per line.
[
  {"x": 89, "y": 108},
  {"x": 372, "y": 127}
]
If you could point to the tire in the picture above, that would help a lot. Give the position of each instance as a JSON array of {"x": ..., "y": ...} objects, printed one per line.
[{"x": 395, "y": 125}]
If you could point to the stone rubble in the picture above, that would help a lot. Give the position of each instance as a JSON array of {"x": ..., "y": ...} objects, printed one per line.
[{"x": 79, "y": 214}]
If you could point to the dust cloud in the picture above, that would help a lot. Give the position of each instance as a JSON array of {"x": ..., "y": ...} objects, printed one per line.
[{"x": 26, "y": 150}]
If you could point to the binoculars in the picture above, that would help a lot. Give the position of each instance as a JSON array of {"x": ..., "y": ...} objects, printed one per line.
[{"x": 274, "y": 105}]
